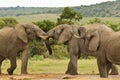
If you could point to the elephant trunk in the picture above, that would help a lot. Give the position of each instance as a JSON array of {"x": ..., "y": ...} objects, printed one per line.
[{"x": 48, "y": 46}]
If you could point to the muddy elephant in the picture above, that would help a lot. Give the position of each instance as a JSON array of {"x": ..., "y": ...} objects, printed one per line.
[
  {"x": 106, "y": 48},
  {"x": 68, "y": 35},
  {"x": 15, "y": 40}
]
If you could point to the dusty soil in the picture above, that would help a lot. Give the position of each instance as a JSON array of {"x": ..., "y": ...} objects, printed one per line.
[{"x": 56, "y": 77}]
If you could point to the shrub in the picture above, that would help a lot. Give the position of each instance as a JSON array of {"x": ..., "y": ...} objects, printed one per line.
[
  {"x": 115, "y": 27},
  {"x": 59, "y": 52},
  {"x": 2, "y": 23},
  {"x": 45, "y": 25},
  {"x": 95, "y": 20},
  {"x": 9, "y": 22},
  {"x": 37, "y": 57},
  {"x": 37, "y": 48}
]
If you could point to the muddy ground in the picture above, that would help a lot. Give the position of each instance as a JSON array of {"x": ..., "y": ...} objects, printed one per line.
[{"x": 56, "y": 77}]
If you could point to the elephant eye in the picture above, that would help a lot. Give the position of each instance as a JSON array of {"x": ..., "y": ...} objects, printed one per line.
[{"x": 61, "y": 31}]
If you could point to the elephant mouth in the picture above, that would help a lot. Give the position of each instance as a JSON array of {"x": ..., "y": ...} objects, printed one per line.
[
  {"x": 66, "y": 42},
  {"x": 42, "y": 37}
]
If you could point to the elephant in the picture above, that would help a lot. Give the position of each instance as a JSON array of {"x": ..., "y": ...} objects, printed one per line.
[
  {"x": 15, "y": 40},
  {"x": 106, "y": 48},
  {"x": 69, "y": 35}
]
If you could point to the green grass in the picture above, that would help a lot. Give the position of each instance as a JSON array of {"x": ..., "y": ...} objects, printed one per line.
[
  {"x": 36, "y": 17},
  {"x": 113, "y": 20},
  {"x": 85, "y": 66}
]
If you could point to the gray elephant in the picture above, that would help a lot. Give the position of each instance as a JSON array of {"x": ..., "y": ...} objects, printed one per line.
[
  {"x": 106, "y": 48},
  {"x": 68, "y": 35},
  {"x": 15, "y": 40}
]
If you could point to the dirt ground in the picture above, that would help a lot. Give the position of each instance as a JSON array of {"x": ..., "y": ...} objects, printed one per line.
[{"x": 56, "y": 77}]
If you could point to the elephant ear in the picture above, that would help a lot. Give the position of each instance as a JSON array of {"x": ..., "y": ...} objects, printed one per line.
[
  {"x": 94, "y": 41},
  {"x": 21, "y": 33},
  {"x": 65, "y": 35},
  {"x": 81, "y": 31}
]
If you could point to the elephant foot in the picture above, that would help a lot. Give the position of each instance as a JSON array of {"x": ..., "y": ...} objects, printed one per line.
[
  {"x": 24, "y": 72},
  {"x": 71, "y": 73},
  {"x": 10, "y": 72}
]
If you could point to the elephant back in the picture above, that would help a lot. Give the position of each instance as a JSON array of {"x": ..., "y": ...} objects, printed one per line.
[
  {"x": 6, "y": 31},
  {"x": 102, "y": 28},
  {"x": 98, "y": 26}
]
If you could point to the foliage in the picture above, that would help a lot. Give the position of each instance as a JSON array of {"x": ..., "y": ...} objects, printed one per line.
[
  {"x": 45, "y": 25},
  {"x": 7, "y": 22},
  {"x": 37, "y": 57},
  {"x": 59, "y": 52},
  {"x": 37, "y": 48},
  {"x": 59, "y": 21},
  {"x": 115, "y": 27},
  {"x": 68, "y": 15},
  {"x": 2, "y": 23},
  {"x": 95, "y": 20}
]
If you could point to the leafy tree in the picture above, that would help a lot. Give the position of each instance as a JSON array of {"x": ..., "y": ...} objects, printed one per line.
[{"x": 68, "y": 15}]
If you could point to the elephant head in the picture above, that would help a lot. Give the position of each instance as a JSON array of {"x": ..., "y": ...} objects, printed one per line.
[
  {"x": 29, "y": 32},
  {"x": 63, "y": 33},
  {"x": 92, "y": 40}
]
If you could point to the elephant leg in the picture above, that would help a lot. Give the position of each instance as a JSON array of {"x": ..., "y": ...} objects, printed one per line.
[
  {"x": 1, "y": 59},
  {"x": 114, "y": 70},
  {"x": 72, "y": 66},
  {"x": 13, "y": 65},
  {"x": 109, "y": 66},
  {"x": 24, "y": 58},
  {"x": 102, "y": 68}
]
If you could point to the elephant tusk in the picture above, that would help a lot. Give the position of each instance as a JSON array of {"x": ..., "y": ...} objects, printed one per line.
[
  {"x": 44, "y": 37},
  {"x": 77, "y": 36}
]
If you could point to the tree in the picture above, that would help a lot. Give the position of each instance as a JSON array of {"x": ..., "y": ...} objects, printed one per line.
[{"x": 68, "y": 15}]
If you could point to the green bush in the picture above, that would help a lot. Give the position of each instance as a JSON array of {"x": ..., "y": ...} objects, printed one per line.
[
  {"x": 37, "y": 48},
  {"x": 37, "y": 57},
  {"x": 45, "y": 25},
  {"x": 59, "y": 52},
  {"x": 7, "y": 22},
  {"x": 95, "y": 20},
  {"x": 10, "y": 22},
  {"x": 2, "y": 23},
  {"x": 115, "y": 27}
]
